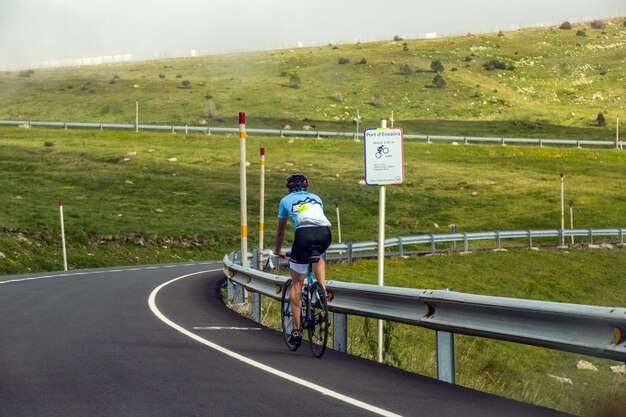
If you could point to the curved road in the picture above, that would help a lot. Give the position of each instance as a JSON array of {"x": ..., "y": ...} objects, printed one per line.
[{"x": 158, "y": 341}]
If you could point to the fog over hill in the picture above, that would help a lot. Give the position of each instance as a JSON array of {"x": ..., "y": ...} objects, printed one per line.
[{"x": 39, "y": 33}]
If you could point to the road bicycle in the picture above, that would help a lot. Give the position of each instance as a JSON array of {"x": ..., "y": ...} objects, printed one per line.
[
  {"x": 382, "y": 149},
  {"x": 314, "y": 317}
]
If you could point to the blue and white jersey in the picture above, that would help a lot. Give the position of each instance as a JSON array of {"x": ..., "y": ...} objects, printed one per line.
[{"x": 305, "y": 208}]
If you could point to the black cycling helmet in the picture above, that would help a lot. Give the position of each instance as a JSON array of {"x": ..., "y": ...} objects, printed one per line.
[{"x": 297, "y": 182}]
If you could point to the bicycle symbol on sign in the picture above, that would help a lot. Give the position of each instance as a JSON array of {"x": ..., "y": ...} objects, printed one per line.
[{"x": 382, "y": 149}]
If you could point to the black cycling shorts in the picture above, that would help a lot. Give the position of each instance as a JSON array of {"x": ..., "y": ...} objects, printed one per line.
[{"x": 307, "y": 237}]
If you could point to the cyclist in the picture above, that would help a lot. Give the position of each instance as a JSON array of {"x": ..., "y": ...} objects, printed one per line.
[{"x": 311, "y": 228}]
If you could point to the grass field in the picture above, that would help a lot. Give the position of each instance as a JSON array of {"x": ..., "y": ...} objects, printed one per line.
[{"x": 140, "y": 198}]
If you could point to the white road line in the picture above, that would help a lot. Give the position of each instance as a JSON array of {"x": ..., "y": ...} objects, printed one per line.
[
  {"x": 252, "y": 362},
  {"x": 226, "y": 328},
  {"x": 104, "y": 271}
]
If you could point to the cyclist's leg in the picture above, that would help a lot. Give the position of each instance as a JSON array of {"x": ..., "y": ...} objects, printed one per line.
[
  {"x": 319, "y": 269},
  {"x": 323, "y": 237},
  {"x": 297, "y": 281},
  {"x": 298, "y": 262}
]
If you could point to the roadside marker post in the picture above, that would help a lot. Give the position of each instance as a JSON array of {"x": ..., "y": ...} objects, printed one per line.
[
  {"x": 338, "y": 222},
  {"x": 384, "y": 165},
  {"x": 242, "y": 188},
  {"x": 261, "y": 208},
  {"x": 562, "y": 239},
  {"x": 63, "y": 236}
]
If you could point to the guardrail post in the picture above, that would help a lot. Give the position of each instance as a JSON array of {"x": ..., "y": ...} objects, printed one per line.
[
  {"x": 621, "y": 236},
  {"x": 503, "y": 143},
  {"x": 465, "y": 140},
  {"x": 432, "y": 243},
  {"x": 208, "y": 131},
  {"x": 428, "y": 139},
  {"x": 541, "y": 143},
  {"x": 100, "y": 126},
  {"x": 446, "y": 368},
  {"x": 256, "y": 297},
  {"x": 173, "y": 129},
  {"x": 530, "y": 238},
  {"x": 340, "y": 332},
  {"x": 401, "y": 246},
  {"x": 235, "y": 292},
  {"x": 590, "y": 236},
  {"x": 465, "y": 242},
  {"x": 578, "y": 144},
  {"x": 349, "y": 253},
  {"x": 498, "y": 241}
]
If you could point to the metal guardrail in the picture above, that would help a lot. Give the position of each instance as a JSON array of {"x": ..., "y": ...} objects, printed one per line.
[
  {"x": 589, "y": 330},
  {"x": 431, "y": 239},
  {"x": 617, "y": 144}
]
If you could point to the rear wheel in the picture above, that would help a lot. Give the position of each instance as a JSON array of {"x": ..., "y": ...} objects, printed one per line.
[
  {"x": 318, "y": 329},
  {"x": 286, "y": 318}
]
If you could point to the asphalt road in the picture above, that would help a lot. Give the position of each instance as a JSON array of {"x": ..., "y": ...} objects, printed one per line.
[{"x": 158, "y": 341}]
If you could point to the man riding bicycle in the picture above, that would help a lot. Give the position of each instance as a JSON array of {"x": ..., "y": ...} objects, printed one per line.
[{"x": 312, "y": 228}]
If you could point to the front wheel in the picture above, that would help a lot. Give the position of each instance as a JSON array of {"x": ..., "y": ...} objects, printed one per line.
[
  {"x": 318, "y": 328},
  {"x": 286, "y": 317}
]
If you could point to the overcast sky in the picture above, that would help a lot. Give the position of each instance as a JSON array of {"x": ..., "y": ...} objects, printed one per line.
[{"x": 33, "y": 31}]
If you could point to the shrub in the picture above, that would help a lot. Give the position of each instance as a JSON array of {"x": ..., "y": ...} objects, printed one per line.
[
  {"x": 186, "y": 84},
  {"x": 500, "y": 34},
  {"x": 337, "y": 96},
  {"x": 565, "y": 25},
  {"x": 406, "y": 70},
  {"x": 161, "y": 75},
  {"x": 26, "y": 73},
  {"x": 343, "y": 61},
  {"x": 397, "y": 38},
  {"x": 405, "y": 47},
  {"x": 494, "y": 64},
  {"x": 363, "y": 61},
  {"x": 598, "y": 24},
  {"x": 436, "y": 66},
  {"x": 179, "y": 76},
  {"x": 581, "y": 32},
  {"x": 468, "y": 59},
  {"x": 211, "y": 110},
  {"x": 439, "y": 82},
  {"x": 378, "y": 102},
  {"x": 600, "y": 120},
  {"x": 624, "y": 24},
  {"x": 294, "y": 81}
]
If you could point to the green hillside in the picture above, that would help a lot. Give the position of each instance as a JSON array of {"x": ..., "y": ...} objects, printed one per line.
[{"x": 554, "y": 84}]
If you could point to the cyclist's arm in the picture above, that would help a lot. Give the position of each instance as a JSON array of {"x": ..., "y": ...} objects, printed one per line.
[{"x": 280, "y": 237}]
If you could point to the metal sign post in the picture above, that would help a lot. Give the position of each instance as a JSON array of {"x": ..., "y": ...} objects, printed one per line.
[{"x": 384, "y": 165}]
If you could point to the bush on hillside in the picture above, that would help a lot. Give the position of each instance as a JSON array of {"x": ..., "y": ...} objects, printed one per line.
[
  {"x": 186, "y": 84},
  {"x": 494, "y": 64},
  {"x": 565, "y": 26},
  {"x": 343, "y": 61},
  {"x": 600, "y": 120},
  {"x": 624, "y": 23},
  {"x": 26, "y": 73},
  {"x": 436, "y": 66},
  {"x": 439, "y": 82},
  {"x": 500, "y": 34},
  {"x": 363, "y": 61},
  {"x": 406, "y": 70},
  {"x": 581, "y": 32},
  {"x": 211, "y": 110},
  {"x": 397, "y": 38},
  {"x": 405, "y": 47},
  {"x": 294, "y": 81},
  {"x": 598, "y": 24},
  {"x": 161, "y": 75}
]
